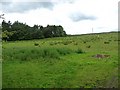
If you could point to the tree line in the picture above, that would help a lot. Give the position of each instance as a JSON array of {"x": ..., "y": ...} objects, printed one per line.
[{"x": 22, "y": 31}]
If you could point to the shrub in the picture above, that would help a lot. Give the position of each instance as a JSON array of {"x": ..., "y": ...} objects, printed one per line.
[
  {"x": 106, "y": 42},
  {"x": 79, "y": 51},
  {"x": 88, "y": 46},
  {"x": 84, "y": 42},
  {"x": 36, "y": 44}
]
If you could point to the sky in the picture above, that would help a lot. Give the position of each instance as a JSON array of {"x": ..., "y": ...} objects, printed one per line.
[{"x": 76, "y": 16}]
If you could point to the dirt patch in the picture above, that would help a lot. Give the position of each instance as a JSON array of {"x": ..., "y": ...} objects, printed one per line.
[{"x": 101, "y": 56}]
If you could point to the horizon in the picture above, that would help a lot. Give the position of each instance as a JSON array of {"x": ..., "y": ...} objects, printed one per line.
[{"x": 75, "y": 16}]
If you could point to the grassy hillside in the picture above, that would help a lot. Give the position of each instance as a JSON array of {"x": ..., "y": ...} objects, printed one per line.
[{"x": 87, "y": 61}]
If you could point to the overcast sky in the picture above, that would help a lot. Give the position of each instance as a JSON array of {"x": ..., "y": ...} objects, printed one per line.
[{"x": 76, "y": 16}]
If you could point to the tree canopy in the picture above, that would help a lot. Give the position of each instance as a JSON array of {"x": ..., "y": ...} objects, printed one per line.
[{"x": 21, "y": 31}]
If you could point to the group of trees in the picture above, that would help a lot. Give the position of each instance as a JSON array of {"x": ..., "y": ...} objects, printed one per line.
[{"x": 21, "y": 31}]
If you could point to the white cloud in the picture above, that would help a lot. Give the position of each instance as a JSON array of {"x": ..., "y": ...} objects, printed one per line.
[{"x": 105, "y": 11}]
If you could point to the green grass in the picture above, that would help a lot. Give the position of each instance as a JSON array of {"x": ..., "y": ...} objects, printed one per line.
[{"x": 64, "y": 62}]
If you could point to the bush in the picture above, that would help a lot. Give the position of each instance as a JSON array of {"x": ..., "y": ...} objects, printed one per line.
[
  {"x": 36, "y": 44},
  {"x": 88, "y": 46},
  {"x": 106, "y": 42},
  {"x": 79, "y": 51},
  {"x": 84, "y": 42}
]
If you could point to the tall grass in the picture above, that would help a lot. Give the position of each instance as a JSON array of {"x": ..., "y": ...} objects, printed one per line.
[{"x": 25, "y": 54}]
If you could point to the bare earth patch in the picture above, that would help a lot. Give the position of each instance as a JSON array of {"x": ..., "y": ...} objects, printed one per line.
[{"x": 101, "y": 56}]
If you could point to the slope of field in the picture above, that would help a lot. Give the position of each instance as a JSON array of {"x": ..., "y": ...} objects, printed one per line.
[{"x": 87, "y": 61}]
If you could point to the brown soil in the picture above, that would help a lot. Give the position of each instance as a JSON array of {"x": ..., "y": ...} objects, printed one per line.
[{"x": 101, "y": 56}]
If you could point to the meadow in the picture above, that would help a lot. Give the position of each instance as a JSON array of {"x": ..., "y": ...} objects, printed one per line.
[{"x": 83, "y": 61}]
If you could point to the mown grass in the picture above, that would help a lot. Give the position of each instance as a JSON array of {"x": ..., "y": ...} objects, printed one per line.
[{"x": 65, "y": 62}]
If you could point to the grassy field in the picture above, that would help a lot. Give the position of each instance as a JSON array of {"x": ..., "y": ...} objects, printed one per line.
[{"x": 86, "y": 61}]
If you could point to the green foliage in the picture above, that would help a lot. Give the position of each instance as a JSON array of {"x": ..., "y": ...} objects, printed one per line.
[
  {"x": 6, "y": 35},
  {"x": 79, "y": 51},
  {"x": 36, "y": 44},
  {"x": 21, "y": 31}
]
